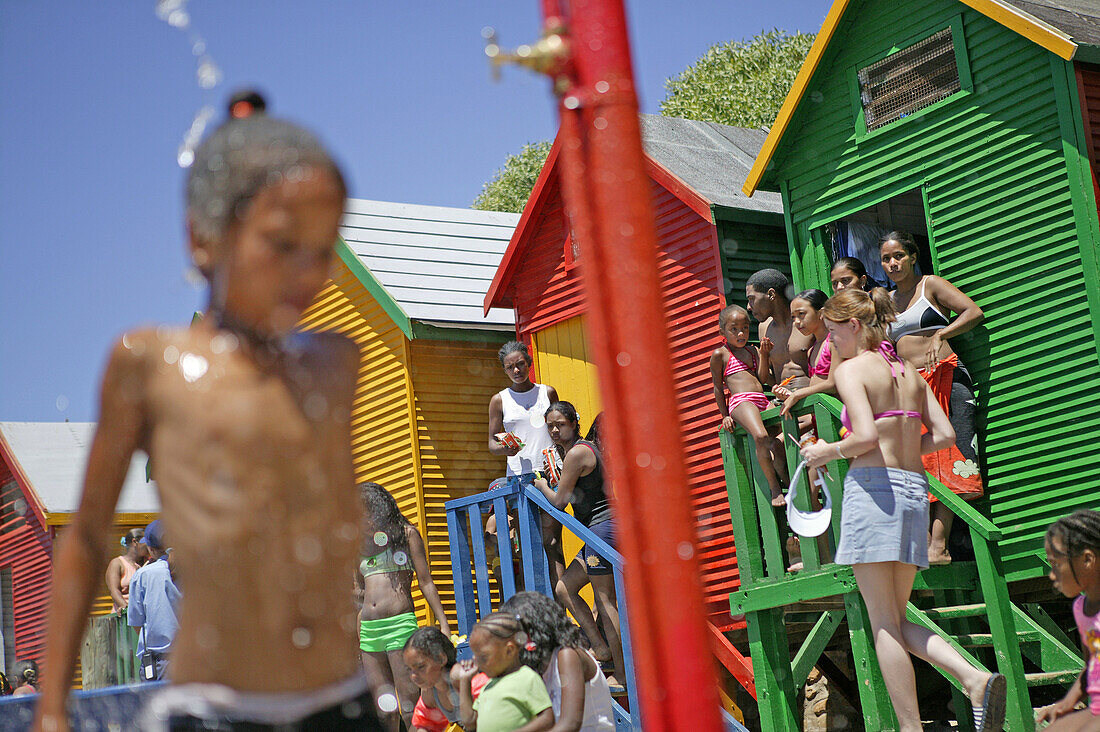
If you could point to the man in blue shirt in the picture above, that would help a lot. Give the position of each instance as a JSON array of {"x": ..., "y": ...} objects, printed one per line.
[{"x": 153, "y": 601}]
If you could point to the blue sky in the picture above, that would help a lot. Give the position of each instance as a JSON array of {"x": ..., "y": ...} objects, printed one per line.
[{"x": 95, "y": 99}]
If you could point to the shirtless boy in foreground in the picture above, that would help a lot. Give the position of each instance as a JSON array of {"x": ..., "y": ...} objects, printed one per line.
[
  {"x": 247, "y": 423},
  {"x": 783, "y": 350}
]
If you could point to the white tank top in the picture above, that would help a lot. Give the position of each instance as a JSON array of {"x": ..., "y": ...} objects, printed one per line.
[
  {"x": 598, "y": 713},
  {"x": 525, "y": 417}
]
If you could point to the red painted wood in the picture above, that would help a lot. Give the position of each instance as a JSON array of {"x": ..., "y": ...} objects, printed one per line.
[
  {"x": 623, "y": 288},
  {"x": 26, "y": 548},
  {"x": 1088, "y": 89}
]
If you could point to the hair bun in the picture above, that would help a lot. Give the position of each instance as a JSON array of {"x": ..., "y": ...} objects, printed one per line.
[{"x": 246, "y": 103}]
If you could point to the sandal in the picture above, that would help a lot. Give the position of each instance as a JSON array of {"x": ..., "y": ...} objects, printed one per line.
[{"x": 990, "y": 716}]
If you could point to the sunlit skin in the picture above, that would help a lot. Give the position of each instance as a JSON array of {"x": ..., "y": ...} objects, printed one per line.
[
  {"x": 389, "y": 594},
  {"x": 809, "y": 323},
  {"x": 518, "y": 370},
  {"x": 867, "y": 387},
  {"x": 782, "y": 348},
  {"x": 1073, "y": 576},
  {"x": 136, "y": 554},
  {"x": 578, "y": 462},
  {"x": 841, "y": 278},
  {"x": 249, "y": 436},
  {"x": 734, "y": 328},
  {"x": 428, "y": 674},
  {"x": 496, "y": 657},
  {"x": 928, "y": 350}
]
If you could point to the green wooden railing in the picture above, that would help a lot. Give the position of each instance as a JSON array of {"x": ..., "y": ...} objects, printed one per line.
[{"x": 960, "y": 592}]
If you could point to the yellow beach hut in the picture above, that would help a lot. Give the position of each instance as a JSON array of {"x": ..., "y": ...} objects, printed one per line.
[{"x": 408, "y": 289}]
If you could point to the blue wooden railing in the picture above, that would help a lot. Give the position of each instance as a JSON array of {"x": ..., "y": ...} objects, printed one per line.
[{"x": 473, "y": 593}]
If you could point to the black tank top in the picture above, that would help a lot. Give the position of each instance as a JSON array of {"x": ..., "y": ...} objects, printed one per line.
[{"x": 590, "y": 504}]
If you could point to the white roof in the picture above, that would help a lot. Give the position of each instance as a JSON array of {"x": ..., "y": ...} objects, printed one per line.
[
  {"x": 437, "y": 263},
  {"x": 53, "y": 455}
]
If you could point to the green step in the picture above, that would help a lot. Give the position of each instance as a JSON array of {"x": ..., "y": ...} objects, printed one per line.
[
  {"x": 956, "y": 611},
  {"x": 986, "y": 639},
  {"x": 1052, "y": 678}
]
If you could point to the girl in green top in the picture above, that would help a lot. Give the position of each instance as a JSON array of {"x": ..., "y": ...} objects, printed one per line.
[{"x": 515, "y": 698}]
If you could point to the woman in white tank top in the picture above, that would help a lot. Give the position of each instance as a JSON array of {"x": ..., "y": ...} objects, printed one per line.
[{"x": 521, "y": 410}]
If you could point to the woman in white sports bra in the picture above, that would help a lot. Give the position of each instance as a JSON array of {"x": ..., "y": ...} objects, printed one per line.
[{"x": 921, "y": 334}]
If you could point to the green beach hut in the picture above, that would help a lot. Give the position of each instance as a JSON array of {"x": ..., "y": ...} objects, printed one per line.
[{"x": 974, "y": 124}]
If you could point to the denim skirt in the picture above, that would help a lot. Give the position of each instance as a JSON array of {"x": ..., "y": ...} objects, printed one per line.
[{"x": 884, "y": 517}]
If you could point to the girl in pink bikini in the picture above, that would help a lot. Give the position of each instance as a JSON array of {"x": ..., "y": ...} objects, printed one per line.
[
  {"x": 122, "y": 568},
  {"x": 734, "y": 365}
]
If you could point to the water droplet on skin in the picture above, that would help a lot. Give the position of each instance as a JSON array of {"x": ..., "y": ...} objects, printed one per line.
[
  {"x": 400, "y": 559},
  {"x": 301, "y": 637},
  {"x": 193, "y": 367},
  {"x": 307, "y": 549},
  {"x": 347, "y": 531},
  {"x": 315, "y": 406},
  {"x": 171, "y": 355},
  {"x": 380, "y": 538},
  {"x": 62, "y": 402},
  {"x": 387, "y": 702},
  {"x": 206, "y": 636}
]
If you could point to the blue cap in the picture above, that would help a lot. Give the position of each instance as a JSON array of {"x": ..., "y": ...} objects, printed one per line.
[{"x": 153, "y": 535}]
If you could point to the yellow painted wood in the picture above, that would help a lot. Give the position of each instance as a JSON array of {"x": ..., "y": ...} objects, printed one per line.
[
  {"x": 564, "y": 362},
  {"x": 381, "y": 434},
  {"x": 562, "y": 355},
  {"x": 1026, "y": 25},
  {"x": 452, "y": 382}
]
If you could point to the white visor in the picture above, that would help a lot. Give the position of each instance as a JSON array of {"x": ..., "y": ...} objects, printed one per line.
[{"x": 808, "y": 523}]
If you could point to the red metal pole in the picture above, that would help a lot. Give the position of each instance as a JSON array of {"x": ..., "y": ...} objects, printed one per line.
[{"x": 609, "y": 197}]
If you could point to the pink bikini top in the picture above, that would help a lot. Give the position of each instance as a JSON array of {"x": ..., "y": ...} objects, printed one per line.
[
  {"x": 820, "y": 367},
  {"x": 908, "y": 413},
  {"x": 736, "y": 365}
]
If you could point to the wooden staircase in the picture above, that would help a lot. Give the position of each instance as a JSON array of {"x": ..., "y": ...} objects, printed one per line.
[{"x": 965, "y": 603}]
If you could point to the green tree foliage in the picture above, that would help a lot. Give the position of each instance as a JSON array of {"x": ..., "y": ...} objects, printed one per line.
[
  {"x": 511, "y": 185},
  {"x": 740, "y": 83}
]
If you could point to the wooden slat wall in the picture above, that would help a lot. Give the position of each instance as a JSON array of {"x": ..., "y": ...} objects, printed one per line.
[
  {"x": 561, "y": 352},
  {"x": 1002, "y": 219},
  {"x": 453, "y": 383},
  {"x": 548, "y": 294},
  {"x": 381, "y": 430},
  {"x": 25, "y": 548},
  {"x": 1088, "y": 84}
]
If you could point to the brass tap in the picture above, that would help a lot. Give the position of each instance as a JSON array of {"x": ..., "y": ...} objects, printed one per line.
[{"x": 547, "y": 56}]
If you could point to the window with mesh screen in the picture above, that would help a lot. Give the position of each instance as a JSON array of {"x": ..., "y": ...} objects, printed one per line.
[{"x": 909, "y": 80}]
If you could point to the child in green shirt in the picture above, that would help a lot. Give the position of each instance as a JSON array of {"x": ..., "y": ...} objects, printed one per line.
[{"x": 516, "y": 697}]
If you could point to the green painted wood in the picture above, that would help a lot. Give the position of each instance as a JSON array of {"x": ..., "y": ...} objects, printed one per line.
[
  {"x": 374, "y": 287},
  {"x": 814, "y": 643},
  {"x": 1008, "y": 199},
  {"x": 916, "y": 616},
  {"x": 1052, "y": 678},
  {"x": 968, "y": 623},
  {"x": 1002, "y": 625},
  {"x": 874, "y": 701},
  {"x": 1061, "y": 652},
  {"x": 748, "y": 244},
  {"x": 771, "y": 668},
  {"x": 470, "y": 335},
  {"x": 958, "y": 611},
  {"x": 832, "y": 579},
  {"x": 746, "y": 531},
  {"x": 1075, "y": 145}
]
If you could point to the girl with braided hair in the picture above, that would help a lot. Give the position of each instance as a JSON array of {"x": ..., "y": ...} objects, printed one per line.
[
  {"x": 24, "y": 674},
  {"x": 1073, "y": 552},
  {"x": 556, "y": 649}
]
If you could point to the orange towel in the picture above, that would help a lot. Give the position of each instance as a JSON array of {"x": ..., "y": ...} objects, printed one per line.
[{"x": 949, "y": 465}]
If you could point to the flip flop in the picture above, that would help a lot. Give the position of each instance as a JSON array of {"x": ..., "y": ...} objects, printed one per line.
[{"x": 990, "y": 716}]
